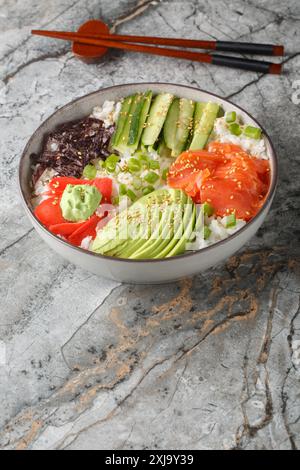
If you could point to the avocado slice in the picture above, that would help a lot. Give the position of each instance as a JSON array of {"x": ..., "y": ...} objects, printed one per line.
[
  {"x": 118, "y": 237},
  {"x": 147, "y": 249},
  {"x": 116, "y": 232},
  {"x": 165, "y": 231},
  {"x": 179, "y": 233},
  {"x": 180, "y": 247},
  {"x": 133, "y": 245},
  {"x": 176, "y": 219}
]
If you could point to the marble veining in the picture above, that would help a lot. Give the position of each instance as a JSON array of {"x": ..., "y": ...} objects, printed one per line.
[{"x": 211, "y": 362}]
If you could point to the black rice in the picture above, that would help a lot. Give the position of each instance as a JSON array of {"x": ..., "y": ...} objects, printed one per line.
[{"x": 69, "y": 148}]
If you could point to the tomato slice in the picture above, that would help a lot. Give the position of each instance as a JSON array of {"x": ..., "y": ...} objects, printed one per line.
[
  {"x": 66, "y": 228},
  {"x": 104, "y": 185},
  {"x": 88, "y": 228},
  {"x": 49, "y": 212}
]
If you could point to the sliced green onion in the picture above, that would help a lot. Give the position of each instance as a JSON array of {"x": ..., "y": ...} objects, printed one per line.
[
  {"x": 131, "y": 195},
  {"x": 134, "y": 165},
  {"x": 111, "y": 162},
  {"x": 151, "y": 177},
  {"x": 208, "y": 209},
  {"x": 122, "y": 189},
  {"x": 230, "y": 116},
  {"x": 111, "y": 167},
  {"x": 221, "y": 112},
  {"x": 116, "y": 201},
  {"x": 165, "y": 174},
  {"x": 252, "y": 132},
  {"x": 89, "y": 171},
  {"x": 141, "y": 154},
  {"x": 154, "y": 165},
  {"x": 137, "y": 183},
  {"x": 235, "y": 129},
  {"x": 144, "y": 160},
  {"x": 147, "y": 190},
  {"x": 113, "y": 158},
  {"x": 230, "y": 221},
  {"x": 206, "y": 232}
]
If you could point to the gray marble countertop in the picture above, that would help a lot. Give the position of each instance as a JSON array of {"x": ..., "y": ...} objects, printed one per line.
[{"x": 211, "y": 362}]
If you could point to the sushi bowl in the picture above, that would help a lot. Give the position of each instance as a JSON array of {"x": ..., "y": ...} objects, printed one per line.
[{"x": 213, "y": 133}]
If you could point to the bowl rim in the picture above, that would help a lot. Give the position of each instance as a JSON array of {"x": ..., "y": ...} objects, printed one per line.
[{"x": 268, "y": 201}]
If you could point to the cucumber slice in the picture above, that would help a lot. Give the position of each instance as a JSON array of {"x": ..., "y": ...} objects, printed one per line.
[
  {"x": 121, "y": 120},
  {"x": 171, "y": 122},
  {"x": 138, "y": 119},
  {"x": 199, "y": 108},
  {"x": 123, "y": 139},
  {"x": 203, "y": 129},
  {"x": 156, "y": 119},
  {"x": 135, "y": 120},
  {"x": 184, "y": 126}
]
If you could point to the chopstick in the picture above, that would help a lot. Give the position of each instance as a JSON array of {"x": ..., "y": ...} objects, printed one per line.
[
  {"x": 233, "y": 62},
  {"x": 225, "y": 46}
]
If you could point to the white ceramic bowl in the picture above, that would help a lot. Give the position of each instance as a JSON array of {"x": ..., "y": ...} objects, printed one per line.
[{"x": 140, "y": 271}]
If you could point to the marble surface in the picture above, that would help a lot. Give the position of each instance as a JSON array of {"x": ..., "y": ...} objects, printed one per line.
[{"x": 212, "y": 362}]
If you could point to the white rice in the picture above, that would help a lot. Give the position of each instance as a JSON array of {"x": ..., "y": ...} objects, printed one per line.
[
  {"x": 86, "y": 243},
  {"x": 108, "y": 112},
  {"x": 254, "y": 147},
  {"x": 218, "y": 232},
  {"x": 41, "y": 186}
]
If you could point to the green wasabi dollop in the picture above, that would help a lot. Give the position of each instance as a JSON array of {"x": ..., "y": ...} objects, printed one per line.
[{"x": 79, "y": 201}]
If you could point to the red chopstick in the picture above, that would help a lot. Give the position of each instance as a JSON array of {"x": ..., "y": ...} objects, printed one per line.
[
  {"x": 228, "y": 46},
  {"x": 234, "y": 62}
]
